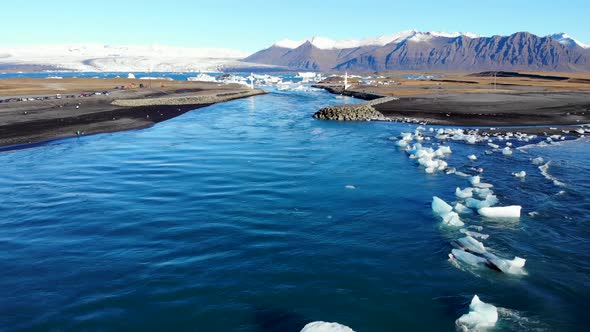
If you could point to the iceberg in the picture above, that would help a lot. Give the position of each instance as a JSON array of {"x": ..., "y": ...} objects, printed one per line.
[
  {"x": 474, "y": 234},
  {"x": 514, "y": 266},
  {"x": 467, "y": 258},
  {"x": 474, "y": 180},
  {"x": 494, "y": 146},
  {"x": 462, "y": 209},
  {"x": 506, "y": 151},
  {"x": 465, "y": 193},
  {"x": 480, "y": 317},
  {"x": 472, "y": 157},
  {"x": 440, "y": 207},
  {"x": 473, "y": 203},
  {"x": 521, "y": 174},
  {"x": 320, "y": 326},
  {"x": 470, "y": 244},
  {"x": 445, "y": 212},
  {"x": 500, "y": 211}
]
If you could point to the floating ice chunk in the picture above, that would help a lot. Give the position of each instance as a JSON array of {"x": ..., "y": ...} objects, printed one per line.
[
  {"x": 402, "y": 143},
  {"x": 472, "y": 157},
  {"x": 349, "y": 186},
  {"x": 488, "y": 152},
  {"x": 480, "y": 317},
  {"x": 500, "y": 211},
  {"x": 452, "y": 219},
  {"x": 474, "y": 234},
  {"x": 474, "y": 180},
  {"x": 462, "y": 209},
  {"x": 484, "y": 185},
  {"x": 451, "y": 171},
  {"x": 494, "y": 146},
  {"x": 514, "y": 266},
  {"x": 465, "y": 193},
  {"x": 521, "y": 174},
  {"x": 326, "y": 327},
  {"x": 506, "y": 151},
  {"x": 470, "y": 244},
  {"x": 473, "y": 203},
  {"x": 440, "y": 207},
  {"x": 445, "y": 211},
  {"x": 443, "y": 150},
  {"x": 538, "y": 161},
  {"x": 483, "y": 193},
  {"x": 467, "y": 258},
  {"x": 508, "y": 144},
  {"x": 461, "y": 174},
  {"x": 476, "y": 227}
]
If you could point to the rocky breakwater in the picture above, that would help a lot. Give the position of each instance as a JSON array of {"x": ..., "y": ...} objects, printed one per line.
[{"x": 358, "y": 112}]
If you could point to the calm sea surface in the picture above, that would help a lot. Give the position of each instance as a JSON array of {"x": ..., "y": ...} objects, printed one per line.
[{"x": 237, "y": 217}]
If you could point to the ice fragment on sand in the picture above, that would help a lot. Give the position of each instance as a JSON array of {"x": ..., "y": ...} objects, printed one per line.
[
  {"x": 326, "y": 327},
  {"x": 501, "y": 211},
  {"x": 480, "y": 317}
]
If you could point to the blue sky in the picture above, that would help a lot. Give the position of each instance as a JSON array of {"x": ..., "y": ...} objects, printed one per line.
[{"x": 250, "y": 25}]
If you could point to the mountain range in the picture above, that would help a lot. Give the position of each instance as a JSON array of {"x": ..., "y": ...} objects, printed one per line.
[{"x": 414, "y": 50}]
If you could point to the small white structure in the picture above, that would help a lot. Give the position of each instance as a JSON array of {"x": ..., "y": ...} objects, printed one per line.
[{"x": 346, "y": 85}]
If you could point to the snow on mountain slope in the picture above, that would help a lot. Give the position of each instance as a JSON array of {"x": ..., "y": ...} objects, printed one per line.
[
  {"x": 413, "y": 35},
  {"x": 566, "y": 39},
  {"x": 97, "y": 57}
]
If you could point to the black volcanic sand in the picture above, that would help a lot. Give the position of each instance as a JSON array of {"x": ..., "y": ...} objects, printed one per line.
[
  {"x": 37, "y": 121},
  {"x": 493, "y": 109}
]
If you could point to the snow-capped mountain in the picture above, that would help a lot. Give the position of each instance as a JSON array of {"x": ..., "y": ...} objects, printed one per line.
[
  {"x": 97, "y": 57},
  {"x": 415, "y": 50},
  {"x": 566, "y": 39},
  {"x": 412, "y": 35}
]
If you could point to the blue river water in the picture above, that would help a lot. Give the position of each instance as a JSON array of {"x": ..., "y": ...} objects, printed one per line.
[{"x": 252, "y": 216}]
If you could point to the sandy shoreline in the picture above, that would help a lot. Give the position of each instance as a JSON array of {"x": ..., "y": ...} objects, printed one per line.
[{"x": 27, "y": 122}]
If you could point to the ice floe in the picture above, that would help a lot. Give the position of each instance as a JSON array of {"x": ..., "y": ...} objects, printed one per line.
[
  {"x": 521, "y": 174},
  {"x": 481, "y": 316},
  {"x": 512, "y": 211},
  {"x": 445, "y": 212},
  {"x": 320, "y": 326}
]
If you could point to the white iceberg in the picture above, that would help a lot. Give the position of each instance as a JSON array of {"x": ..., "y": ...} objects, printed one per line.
[
  {"x": 512, "y": 211},
  {"x": 462, "y": 209},
  {"x": 474, "y": 180},
  {"x": 506, "y": 151},
  {"x": 481, "y": 316},
  {"x": 521, "y": 174},
  {"x": 473, "y": 203},
  {"x": 472, "y": 245},
  {"x": 465, "y": 193},
  {"x": 445, "y": 212},
  {"x": 472, "y": 157},
  {"x": 474, "y": 234},
  {"x": 466, "y": 258},
  {"x": 320, "y": 326}
]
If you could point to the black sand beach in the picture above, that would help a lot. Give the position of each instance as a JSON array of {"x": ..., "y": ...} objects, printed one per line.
[{"x": 25, "y": 122}]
